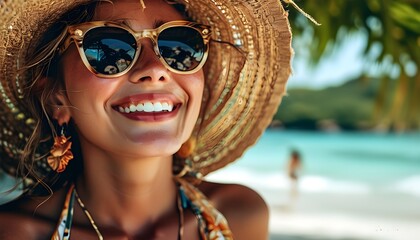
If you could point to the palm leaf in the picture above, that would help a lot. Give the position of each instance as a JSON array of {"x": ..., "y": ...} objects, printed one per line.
[{"x": 392, "y": 24}]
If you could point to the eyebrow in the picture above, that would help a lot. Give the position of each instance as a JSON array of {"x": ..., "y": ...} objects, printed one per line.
[{"x": 157, "y": 23}]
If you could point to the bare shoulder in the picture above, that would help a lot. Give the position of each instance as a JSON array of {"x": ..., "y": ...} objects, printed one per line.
[
  {"x": 28, "y": 219},
  {"x": 16, "y": 226},
  {"x": 245, "y": 210}
]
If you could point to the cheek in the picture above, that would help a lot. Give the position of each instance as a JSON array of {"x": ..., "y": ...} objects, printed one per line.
[
  {"x": 194, "y": 88},
  {"x": 75, "y": 73},
  {"x": 84, "y": 90}
]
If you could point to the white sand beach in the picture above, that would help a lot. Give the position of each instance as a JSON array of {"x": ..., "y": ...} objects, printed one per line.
[
  {"x": 347, "y": 217},
  {"x": 295, "y": 225},
  {"x": 332, "y": 215}
]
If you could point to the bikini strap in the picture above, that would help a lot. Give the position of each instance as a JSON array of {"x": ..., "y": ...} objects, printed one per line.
[
  {"x": 211, "y": 223},
  {"x": 62, "y": 230}
]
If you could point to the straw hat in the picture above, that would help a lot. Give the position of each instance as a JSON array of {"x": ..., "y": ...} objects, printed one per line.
[{"x": 245, "y": 86}]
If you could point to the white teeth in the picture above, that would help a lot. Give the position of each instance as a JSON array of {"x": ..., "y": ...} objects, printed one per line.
[
  {"x": 165, "y": 106},
  {"x": 147, "y": 107},
  {"x": 158, "y": 107},
  {"x": 139, "y": 107}
]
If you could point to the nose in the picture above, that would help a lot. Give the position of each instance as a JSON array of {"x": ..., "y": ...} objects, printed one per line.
[{"x": 148, "y": 67}]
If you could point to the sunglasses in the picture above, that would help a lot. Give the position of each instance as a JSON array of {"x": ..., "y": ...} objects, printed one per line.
[{"x": 109, "y": 49}]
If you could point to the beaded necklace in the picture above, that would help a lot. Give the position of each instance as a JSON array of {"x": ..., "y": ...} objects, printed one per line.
[
  {"x": 100, "y": 237},
  {"x": 211, "y": 223}
]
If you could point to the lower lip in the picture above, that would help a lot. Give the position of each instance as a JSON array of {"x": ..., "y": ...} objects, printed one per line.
[{"x": 150, "y": 116}]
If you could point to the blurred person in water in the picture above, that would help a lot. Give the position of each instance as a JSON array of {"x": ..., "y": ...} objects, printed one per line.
[{"x": 294, "y": 167}]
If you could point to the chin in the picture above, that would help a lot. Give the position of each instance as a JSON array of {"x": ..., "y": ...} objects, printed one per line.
[{"x": 157, "y": 149}]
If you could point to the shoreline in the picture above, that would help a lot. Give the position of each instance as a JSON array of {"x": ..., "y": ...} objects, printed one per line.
[
  {"x": 335, "y": 211},
  {"x": 335, "y": 216},
  {"x": 294, "y": 225}
]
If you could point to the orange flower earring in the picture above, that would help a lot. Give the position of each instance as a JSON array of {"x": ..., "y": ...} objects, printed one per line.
[{"x": 60, "y": 153}]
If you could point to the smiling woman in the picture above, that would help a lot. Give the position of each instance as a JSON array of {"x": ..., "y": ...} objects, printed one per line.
[{"x": 112, "y": 111}]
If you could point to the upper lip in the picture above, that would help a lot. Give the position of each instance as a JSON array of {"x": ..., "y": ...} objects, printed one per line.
[{"x": 146, "y": 97}]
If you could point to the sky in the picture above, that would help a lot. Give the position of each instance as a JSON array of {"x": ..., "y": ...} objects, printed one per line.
[{"x": 345, "y": 62}]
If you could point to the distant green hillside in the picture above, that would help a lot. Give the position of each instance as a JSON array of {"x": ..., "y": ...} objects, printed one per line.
[{"x": 349, "y": 107}]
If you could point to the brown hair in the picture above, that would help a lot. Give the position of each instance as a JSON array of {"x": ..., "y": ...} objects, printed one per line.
[{"x": 43, "y": 69}]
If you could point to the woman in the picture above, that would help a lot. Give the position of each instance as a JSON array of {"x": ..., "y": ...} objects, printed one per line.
[{"x": 112, "y": 112}]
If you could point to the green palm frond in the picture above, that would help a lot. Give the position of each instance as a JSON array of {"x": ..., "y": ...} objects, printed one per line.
[{"x": 392, "y": 24}]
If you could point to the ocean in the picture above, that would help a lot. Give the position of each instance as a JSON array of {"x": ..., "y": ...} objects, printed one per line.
[{"x": 339, "y": 170}]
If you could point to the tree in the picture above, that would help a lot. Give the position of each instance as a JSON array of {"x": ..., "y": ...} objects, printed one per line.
[{"x": 393, "y": 26}]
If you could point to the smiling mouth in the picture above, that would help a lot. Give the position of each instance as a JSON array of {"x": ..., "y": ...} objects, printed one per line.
[{"x": 147, "y": 107}]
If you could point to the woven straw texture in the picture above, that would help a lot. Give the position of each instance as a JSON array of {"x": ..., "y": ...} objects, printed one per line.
[{"x": 244, "y": 87}]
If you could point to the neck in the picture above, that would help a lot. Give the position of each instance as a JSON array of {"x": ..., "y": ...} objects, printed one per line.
[{"x": 127, "y": 193}]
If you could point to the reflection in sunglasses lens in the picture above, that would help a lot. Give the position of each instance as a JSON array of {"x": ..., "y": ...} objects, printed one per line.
[
  {"x": 109, "y": 50},
  {"x": 181, "y": 47}
]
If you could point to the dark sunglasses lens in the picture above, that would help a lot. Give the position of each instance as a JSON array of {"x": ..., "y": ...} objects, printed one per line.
[
  {"x": 109, "y": 50},
  {"x": 181, "y": 47}
]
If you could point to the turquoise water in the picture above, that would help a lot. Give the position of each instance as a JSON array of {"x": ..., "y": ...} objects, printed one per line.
[{"x": 341, "y": 161}]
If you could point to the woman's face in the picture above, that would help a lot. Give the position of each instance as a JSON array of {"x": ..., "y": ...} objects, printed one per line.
[{"x": 96, "y": 104}]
